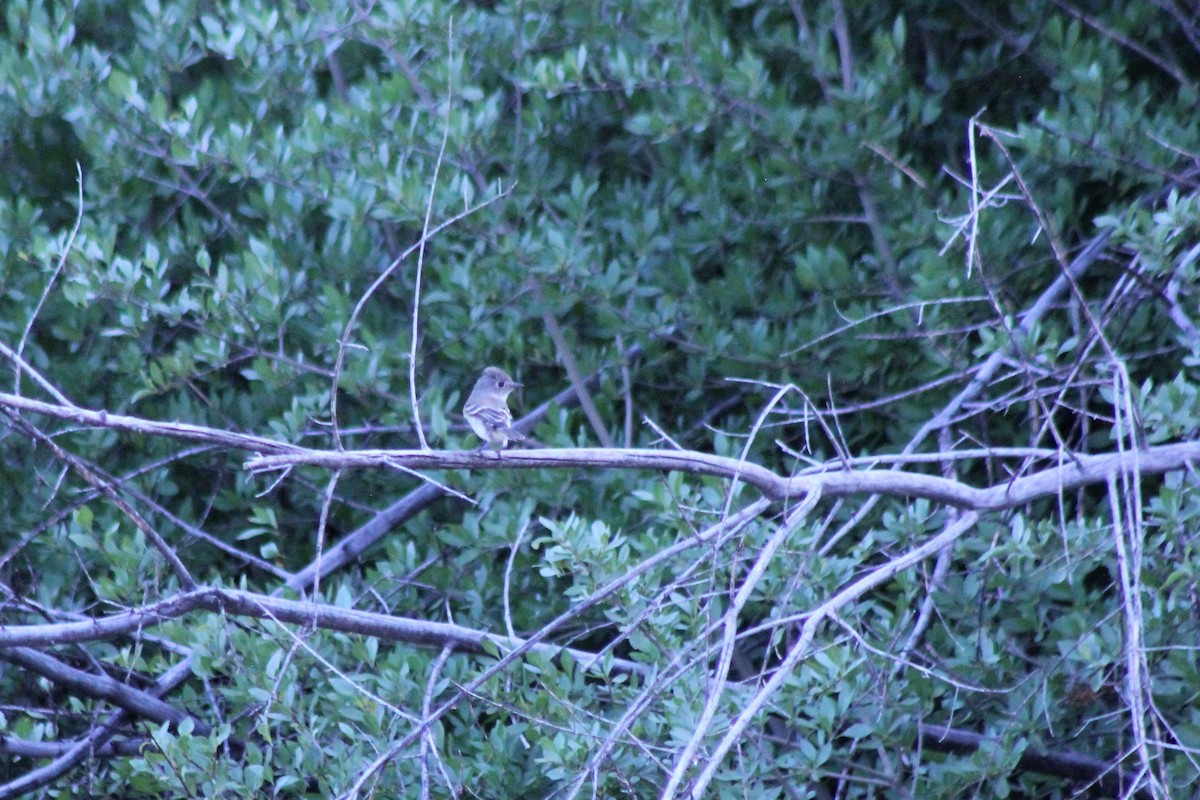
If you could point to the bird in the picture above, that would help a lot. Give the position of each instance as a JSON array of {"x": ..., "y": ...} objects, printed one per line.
[{"x": 487, "y": 411}]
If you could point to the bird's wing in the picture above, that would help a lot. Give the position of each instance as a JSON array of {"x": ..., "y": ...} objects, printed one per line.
[{"x": 490, "y": 417}]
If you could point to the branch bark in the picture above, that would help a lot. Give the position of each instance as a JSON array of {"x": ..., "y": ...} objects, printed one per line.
[
  {"x": 1061, "y": 763},
  {"x": 1076, "y": 471},
  {"x": 249, "y": 604},
  {"x": 100, "y": 687}
]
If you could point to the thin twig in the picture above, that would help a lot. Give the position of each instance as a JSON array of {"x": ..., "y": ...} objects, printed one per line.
[
  {"x": 428, "y": 742},
  {"x": 683, "y": 760},
  {"x": 62, "y": 260},
  {"x": 102, "y": 486},
  {"x": 416, "y": 313},
  {"x": 343, "y": 342},
  {"x": 512, "y": 558},
  {"x": 626, "y": 392},
  {"x": 22, "y": 365},
  {"x": 617, "y": 584},
  {"x": 802, "y": 646},
  {"x": 666, "y": 437}
]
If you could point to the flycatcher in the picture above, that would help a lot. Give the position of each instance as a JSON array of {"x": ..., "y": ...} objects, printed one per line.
[{"x": 487, "y": 411}]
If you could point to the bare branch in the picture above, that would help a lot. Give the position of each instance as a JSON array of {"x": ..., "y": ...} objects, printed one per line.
[
  {"x": 96, "y": 738},
  {"x": 104, "y": 488},
  {"x": 173, "y": 430},
  {"x": 363, "y": 537},
  {"x": 343, "y": 343},
  {"x": 416, "y": 312},
  {"x": 1077, "y": 471},
  {"x": 100, "y": 687},
  {"x": 31, "y": 749},
  {"x": 17, "y": 359},
  {"x": 231, "y": 601},
  {"x": 1063, "y": 763},
  {"x": 1082, "y": 470}
]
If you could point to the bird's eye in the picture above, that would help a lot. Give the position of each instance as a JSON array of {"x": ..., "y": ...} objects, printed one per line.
[{"x": 500, "y": 383}]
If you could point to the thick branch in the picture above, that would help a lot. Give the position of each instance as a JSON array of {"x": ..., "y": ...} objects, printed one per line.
[
  {"x": 100, "y": 687},
  {"x": 11, "y": 745},
  {"x": 249, "y": 604},
  {"x": 1061, "y": 763},
  {"x": 1074, "y": 472},
  {"x": 387, "y": 520},
  {"x": 96, "y": 737}
]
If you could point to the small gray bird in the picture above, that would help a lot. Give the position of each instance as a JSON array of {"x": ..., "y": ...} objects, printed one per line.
[{"x": 487, "y": 411}]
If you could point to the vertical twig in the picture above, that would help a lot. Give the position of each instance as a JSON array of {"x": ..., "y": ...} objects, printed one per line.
[
  {"x": 62, "y": 260},
  {"x": 322, "y": 527},
  {"x": 841, "y": 32},
  {"x": 437, "y": 168},
  {"x": 973, "y": 237},
  {"x": 428, "y": 743},
  {"x": 344, "y": 341},
  {"x": 1125, "y": 505},
  {"x": 627, "y": 392},
  {"x": 941, "y": 567},
  {"x": 512, "y": 557}
]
